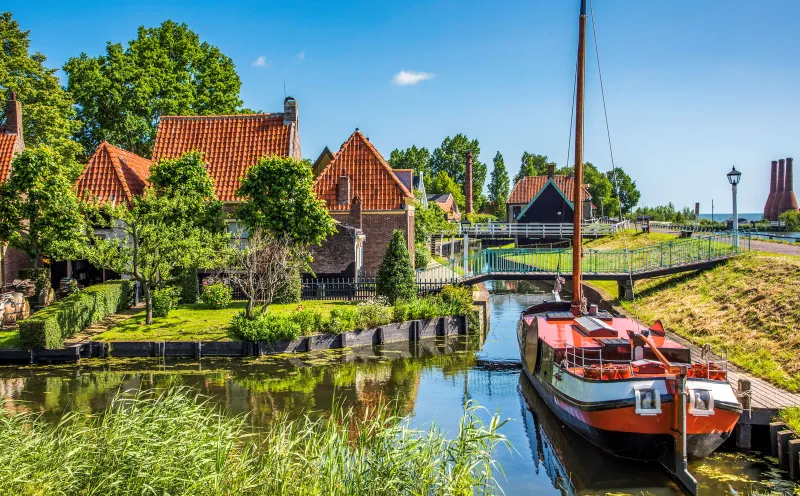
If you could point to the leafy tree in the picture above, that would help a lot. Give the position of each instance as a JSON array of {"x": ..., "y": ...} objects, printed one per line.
[
  {"x": 430, "y": 220},
  {"x": 279, "y": 197},
  {"x": 166, "y": 70},
  {"x": 532, "y": 165},
  {"x": 623, "y": 189},
  {"x": 164, "y": 228},
  {"x": 600, "y": 188},
  {"x": 499, "y": 184},
  {"x": 792, "y": 220},
  {"x": 415, "y": 158},
  {"x": 442, "y": 183},
  {"x": 451, "y": 157},
  {"x": 48, "y": 109},
  {"x": 395, "y": 278},
  {"x": 39, "y": 212}
]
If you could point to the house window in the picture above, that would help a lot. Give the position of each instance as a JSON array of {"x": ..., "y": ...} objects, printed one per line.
[{"x": 515, "y": 211}]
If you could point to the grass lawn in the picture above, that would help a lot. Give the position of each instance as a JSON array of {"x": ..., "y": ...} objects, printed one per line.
[
  {"x": 196, "y": 322},
  {"x": 9, "y": 339},
  {"x": 748, "y": 305},
  {"x": 630, "y": 239},
  {"x": 792, "y": 418}
]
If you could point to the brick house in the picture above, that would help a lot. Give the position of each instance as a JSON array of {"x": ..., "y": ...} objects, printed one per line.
[
  {"x": 359, "y": 179},
  {"x": 546, "y": 199},
  {"x": 11, "y": 143},
  {"x": 446, "y": 202}
]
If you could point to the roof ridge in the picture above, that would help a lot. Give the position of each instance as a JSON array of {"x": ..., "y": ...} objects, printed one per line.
[
  {"x": 221, "y": 116},
  {"x": 385, "y": 165},
  {"x": 115, "y": 163}
]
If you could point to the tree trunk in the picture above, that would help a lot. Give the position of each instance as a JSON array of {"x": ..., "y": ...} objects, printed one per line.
[
  {"x": 248, "y": 311},
  {"x": 148, "y": 302}
]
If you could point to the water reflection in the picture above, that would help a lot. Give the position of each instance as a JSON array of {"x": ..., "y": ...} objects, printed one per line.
[{"x": 430, "y": 380}]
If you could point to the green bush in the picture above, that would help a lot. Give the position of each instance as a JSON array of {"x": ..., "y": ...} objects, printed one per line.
[
  {"x": 164, "y": 300},
  {"x": 451, "y": 301},
  {"x": 189, "y": 284},
  {"x": 292, "y": 291},
  {"x": 372, "y": 313},
  {"x": 270, "y": 328},
  {"x": 395, "y": 279},
  {"x": 48, "y": 327},
  {"x": 217, "y": 296},
  {"x": 792, "y": 220},
  {"x": 481, "y": 218},
  {"x": 40, "y": 278},
  {"x": 422, "y": 256},
  {"x": 342, "y": 320},
  {"x": 310, "y": 321}
]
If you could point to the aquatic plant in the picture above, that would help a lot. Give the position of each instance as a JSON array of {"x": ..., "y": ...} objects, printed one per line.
[{"x": 174, "y": 442}]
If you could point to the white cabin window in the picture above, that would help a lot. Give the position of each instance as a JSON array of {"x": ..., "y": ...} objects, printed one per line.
[
  {"x": 701, "y": 402},
  {"x": 648, "y": 401}
]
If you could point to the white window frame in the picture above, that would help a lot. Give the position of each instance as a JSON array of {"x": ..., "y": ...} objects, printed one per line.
[
  {"x": 647, "y": 411},
  {"x": 697, "y": 412}
]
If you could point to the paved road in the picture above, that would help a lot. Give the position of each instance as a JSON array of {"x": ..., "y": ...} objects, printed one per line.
[{"x": 757, "y": 245}]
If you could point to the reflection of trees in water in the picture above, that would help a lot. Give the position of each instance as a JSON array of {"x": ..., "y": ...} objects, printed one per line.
[{"x": 522, "y": 287}]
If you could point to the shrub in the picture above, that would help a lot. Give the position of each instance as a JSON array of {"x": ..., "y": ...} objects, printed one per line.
[
  {"x": 189, "y": 284},
  {"x": 792, "y": 220},
  {"x": 40, "y": 278},
  {"x": 395, "y": 279},
  {"x": 422, "y": 256},
  {"x": 269, "y": 328},
  {"x": 372, "y": 313},
  {"x": 310, "y": 321},
  {"x": 217, "y": 296},
  {"x": 164, "y": 300},
  {"x": 452, "y": 301},
  {"x": 342, "y": 320},
  {"x": 48, "y": 327},
  {"x": 291, "y": 291}
]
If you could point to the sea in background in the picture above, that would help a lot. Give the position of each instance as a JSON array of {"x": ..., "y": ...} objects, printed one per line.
[{"x": 722, "y": 217}]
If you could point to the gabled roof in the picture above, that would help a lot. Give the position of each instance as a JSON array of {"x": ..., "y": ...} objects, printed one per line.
[
  {"x": 439, "y": 197},
  {"x": 324, "y": 159},
  {"x": 8, "y": 147},
  {"x": 113, "y": 175},
  {"x": 230, "y": 144},
  {"x": 530, "y": 186},
  {"x": 406, "y": 176},
  {"x": 371, "y": 178}
]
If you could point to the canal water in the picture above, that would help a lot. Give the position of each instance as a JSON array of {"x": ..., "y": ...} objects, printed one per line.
[{"x": 430, "y": 381}]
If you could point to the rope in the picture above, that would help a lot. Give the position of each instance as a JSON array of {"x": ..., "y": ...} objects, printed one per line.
[{"x": 613, "y": 164}]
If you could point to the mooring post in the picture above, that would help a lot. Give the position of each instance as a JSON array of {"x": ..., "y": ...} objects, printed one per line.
[
  {"x": 794, "y": 459},
  {"x": 774, "y": 429},
  {"x": 784, "y": 437}
]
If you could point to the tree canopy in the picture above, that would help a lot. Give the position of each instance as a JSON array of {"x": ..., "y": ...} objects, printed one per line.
[
  {"x": 499, "y": 184},
  {"x": 532, "y": 165},
  {"x": 395, "y": 278},
  {"x": 451, "y": 158},
  {"x": 278, "y": 196},
  {"x": 418, "y": 159},
  {"x": 48, "y": 109},
  {"x": 39, "y": 212},
  {"x": 166, "y": 70},
  {"x": 443, "y": 183},
  {"x": 624, "y": 189}
]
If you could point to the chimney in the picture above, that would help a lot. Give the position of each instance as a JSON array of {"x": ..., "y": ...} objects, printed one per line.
[
  {"x": 551, "y": 171},
  {"x": 289, "y": 110},
  {"x": 788, "y": 200},
  {"x": 776, "y": 202},
  {"x": 343, "y": 190},
  {"x": 355, "y": 213},
  {"x": 773, "y": 183},
  {"x": 468, "y": 185},
  {"x": 13, "y": 123}
]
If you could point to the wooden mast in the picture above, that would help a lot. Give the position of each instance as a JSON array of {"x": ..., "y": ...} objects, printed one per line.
[{"x": 577, "y": 195}]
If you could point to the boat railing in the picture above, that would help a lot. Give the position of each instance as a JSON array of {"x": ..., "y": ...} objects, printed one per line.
[
  {"x": 715, "y": 369},
  {"x": 592, "y": 364}
]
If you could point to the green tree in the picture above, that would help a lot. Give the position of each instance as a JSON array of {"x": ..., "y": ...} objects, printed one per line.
[
  {"x": 451, "y": 157},
  {"x": 532, "y": 165},
  {"x": 395, "y": 278},
  {"x": 166, "y": 227},
  {"x": 166, "y": 70},
  {"x": 792, "y": 220},
  {"x": 442, "y": 183},
  {"x": 49, "y": 110},
  {"x": 430, "y": 220},
  {"x": 418, "y": 159},
  {"x": 39, "y": 212},
  {"x": 499, "y": 184},
  {"x": 623, "y": 189},
  {"x": 600, "y": 188}
]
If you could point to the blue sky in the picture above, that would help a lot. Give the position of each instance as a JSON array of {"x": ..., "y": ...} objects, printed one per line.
[{"x": 692, "y": 86}]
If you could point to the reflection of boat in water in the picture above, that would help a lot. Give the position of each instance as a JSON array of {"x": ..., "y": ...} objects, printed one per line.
[
  {"x": 577, "y": 467},
  {"x": 631, "y": 391}
]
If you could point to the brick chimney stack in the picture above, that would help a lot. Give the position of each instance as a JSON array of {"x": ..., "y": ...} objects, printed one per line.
[
  {"x": 787, "y": 198},
  {"x": 468, "y": 185},
  {"x": 355, "y": 213},
  {"x": 13, "y": 123},
  {"x": 773, "y": 184},
  {"x": 551, "y": 171},
  {"x": 776, "y": 202}
]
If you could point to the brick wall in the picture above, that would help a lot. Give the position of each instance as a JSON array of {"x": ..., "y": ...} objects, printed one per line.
[
  {"x": 12, "y": 261},
  {"x": 337, "y": 255},
  {"x": 377, "y": 227}
]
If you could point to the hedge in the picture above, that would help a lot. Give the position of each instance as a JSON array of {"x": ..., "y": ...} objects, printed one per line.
[{"x": 49, "y": 327}]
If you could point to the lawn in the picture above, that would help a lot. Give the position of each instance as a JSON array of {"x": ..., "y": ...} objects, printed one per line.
[
  {"x": 196, "y": 322},
  {"x": 747, "y": 305},
  {"x": 9, "y": 339}
]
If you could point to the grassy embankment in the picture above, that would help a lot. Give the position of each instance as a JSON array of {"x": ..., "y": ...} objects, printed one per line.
[
  {"x": 172, "y": 443},
  {"x": 792, "y": 417}
]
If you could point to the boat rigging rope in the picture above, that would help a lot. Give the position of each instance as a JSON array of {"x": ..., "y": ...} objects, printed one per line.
[{"x": 613, "y": 164}]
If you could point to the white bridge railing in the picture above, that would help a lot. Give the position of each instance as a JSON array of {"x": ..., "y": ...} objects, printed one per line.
[{"x": 540, "y": 230}]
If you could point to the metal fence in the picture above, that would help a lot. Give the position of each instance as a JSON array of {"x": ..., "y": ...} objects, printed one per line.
[{"x": 342, "y": 288}]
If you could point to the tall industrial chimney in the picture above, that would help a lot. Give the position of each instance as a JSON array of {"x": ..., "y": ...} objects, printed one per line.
[
  {"x": 788, "y": 200},
  {"x": 468, "y": 184},
  {"x": 776, "y": 203},
  {"x": 773, "y": 183}
]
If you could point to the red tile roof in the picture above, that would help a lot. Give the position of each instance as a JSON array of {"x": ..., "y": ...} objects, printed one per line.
[
  {"x": 371, "y": 178},
  {"x": 8, "y": 144},
  {"x": 113, "y": 174},
  {"x": 529, "y": 186},
  {"x": 230, "y": 144}
]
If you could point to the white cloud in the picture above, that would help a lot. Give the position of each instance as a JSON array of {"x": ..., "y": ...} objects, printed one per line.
[
  {"x": 261, "y": 61},
  {"x": 404, "y": 78},
  {"x": 301, "y": 56}
]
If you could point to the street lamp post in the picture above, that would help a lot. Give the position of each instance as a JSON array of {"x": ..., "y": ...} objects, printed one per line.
[
  {"x": 733, "y": 177},
  {"x": 465, "y": 224}
]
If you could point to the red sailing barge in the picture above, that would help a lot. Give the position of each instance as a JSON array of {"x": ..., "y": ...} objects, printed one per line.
[{"x": 630, "y": 390}]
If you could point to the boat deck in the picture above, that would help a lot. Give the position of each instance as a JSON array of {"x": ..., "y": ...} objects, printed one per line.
[{"x": 766, "y": 400}]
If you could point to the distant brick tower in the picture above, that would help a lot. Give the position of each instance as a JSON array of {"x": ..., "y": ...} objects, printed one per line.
[
  {"x": 773, "y": 184},
  {"x": 787, "y": 198},
  {"x": 468, "y": 185}
]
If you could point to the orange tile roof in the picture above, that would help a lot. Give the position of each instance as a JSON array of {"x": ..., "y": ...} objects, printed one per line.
[
  {"x": 529, "y": 186},
  {"x": 8, "y": 143},
  {"x": 113, "y": 174},
  {"x": 371, "y": 178},
  {"x": 230, "y": 144}
]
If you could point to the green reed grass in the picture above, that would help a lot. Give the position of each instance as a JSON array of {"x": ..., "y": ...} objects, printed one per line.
[{"x": 175, "y": 442}]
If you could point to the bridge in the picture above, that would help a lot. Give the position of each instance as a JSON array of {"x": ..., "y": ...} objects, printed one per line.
[
  {"x": 538, "y": 230},
  {"x": 545, "y": 264}
]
